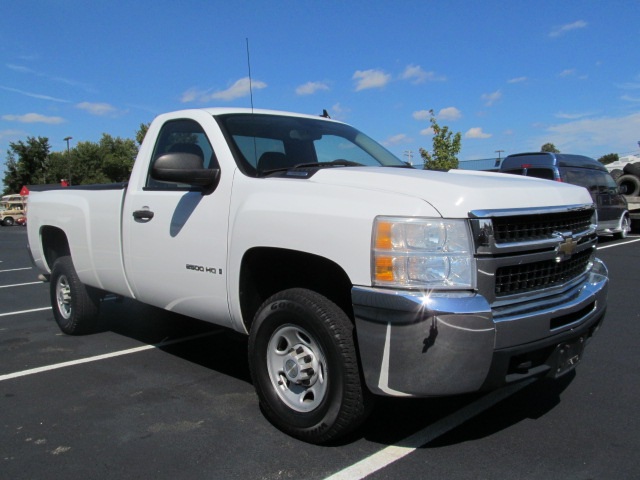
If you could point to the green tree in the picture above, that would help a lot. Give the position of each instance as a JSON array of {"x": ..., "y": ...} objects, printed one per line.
[
  {"x": 142, "y": 132},
  {"x": 446, "y": 146},
  {"x": 609, "y": 158},
  {"x": 549, "y": 147},
  {"x": 109, "y": 160},
  {"x": 86, "y": 164},
  {"x": 26, "y": 163},
  {"x": 58, "y": 167},
  {"x": 118, "y": 155}
]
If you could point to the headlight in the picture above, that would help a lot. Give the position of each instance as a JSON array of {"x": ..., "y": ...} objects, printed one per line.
[{"x": 422, "y": 253}]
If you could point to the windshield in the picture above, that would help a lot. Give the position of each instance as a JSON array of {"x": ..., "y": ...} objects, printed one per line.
[{"x": 269, "y": 143}]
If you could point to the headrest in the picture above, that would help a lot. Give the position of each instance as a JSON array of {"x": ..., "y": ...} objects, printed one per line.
[{"x": 273, "y": 161}]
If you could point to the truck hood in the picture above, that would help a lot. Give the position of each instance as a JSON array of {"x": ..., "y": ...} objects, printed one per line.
[{"x": 457, "y": 192}]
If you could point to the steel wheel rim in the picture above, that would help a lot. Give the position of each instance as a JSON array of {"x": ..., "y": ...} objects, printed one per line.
[
  {"x": 63, "y": 297},
  {"x": 297, "y": 368},
  {"x": 626, "y": 226}
]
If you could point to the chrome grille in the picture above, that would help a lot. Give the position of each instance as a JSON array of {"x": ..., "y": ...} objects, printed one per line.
[
  {"x": 524, "y": 228},
  {"x": 515, "y": 279}
]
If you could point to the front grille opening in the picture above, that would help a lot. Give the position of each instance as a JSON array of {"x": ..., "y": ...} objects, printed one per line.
[
  {"x": 571, "y": 317},
  {"x": 524, "y": 228},
  {"x": 514, "y": 279}
]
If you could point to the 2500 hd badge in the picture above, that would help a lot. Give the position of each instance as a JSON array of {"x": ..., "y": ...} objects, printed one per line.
[{"x": 200, "y": 268}]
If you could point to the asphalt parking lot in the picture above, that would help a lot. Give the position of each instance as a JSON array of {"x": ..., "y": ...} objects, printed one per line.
[{"x": 155, "y": 395}]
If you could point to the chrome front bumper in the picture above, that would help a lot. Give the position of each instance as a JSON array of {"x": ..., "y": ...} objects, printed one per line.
[{"x": 431, "y": 344}]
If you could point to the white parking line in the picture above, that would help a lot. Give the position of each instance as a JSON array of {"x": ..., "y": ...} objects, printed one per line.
[
  {"x": 393, "y": 453},
  {"x": 15, "y": 269},
  {"x": 618, "y": 244},
  {"x": 19, "y": 312},
  {"x": 105, "y": 356},
  {"x": 20, "y": 284}
]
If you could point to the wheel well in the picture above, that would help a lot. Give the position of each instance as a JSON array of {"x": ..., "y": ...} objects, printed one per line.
[
  {"x": 266, "y": 271},
  {"x": 54, "y": 244}
]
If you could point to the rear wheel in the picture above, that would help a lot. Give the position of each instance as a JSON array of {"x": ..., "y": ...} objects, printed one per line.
[
  {"x": 8, "y": 221},
  {"x": 304, "y": 366},
  {"x": 75, "y": 306}
]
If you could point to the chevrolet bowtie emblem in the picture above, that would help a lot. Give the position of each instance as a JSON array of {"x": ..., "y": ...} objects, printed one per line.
[{"x": 566, "y": 248}]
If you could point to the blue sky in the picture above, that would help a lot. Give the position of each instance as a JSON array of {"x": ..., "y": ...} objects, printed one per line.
[{"x": 507, "y": 75}]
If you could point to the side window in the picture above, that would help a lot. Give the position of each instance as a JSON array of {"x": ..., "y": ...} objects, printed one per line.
[
  {"x": 545, "y": 173},
  {"x": 181, "y": 136},
  {"x": 582, "y": 177},
  {"x": 515, "y": 171}
]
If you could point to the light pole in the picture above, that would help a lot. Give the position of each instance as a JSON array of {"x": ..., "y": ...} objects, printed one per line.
[
  {"x": 498, "y": 160},
  {"x": 66, "y": 139},
  {"x": 409, "y": 154}
]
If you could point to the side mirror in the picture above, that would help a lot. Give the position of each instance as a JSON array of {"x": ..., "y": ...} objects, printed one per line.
[{"x": 184, "y": 168}]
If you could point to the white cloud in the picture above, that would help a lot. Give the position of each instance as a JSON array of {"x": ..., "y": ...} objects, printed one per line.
[
  {"x": 19, "y": 68},
  {"x": 490, "y": 98},
  {"x": 339, "y": 112},
  {"x": 450, "y": 113},
  {"x": 476, "y": 132},
  {"x": 11, "y": 134},
  {"x": 27, "y": 70},
  {"x": 517, "y": 80},
  {"x": 567, "y": 72},
  {"x": 99, "y": 109},
  {"x": 562, "y": 29},
  {"x": 416, "y": 75},
  {"x": 190, "y": 95},
  {"x": 629, "y": 98},
  {"x": 310, "y": 88},
  {"x": 427, "y": 131},
  {"x": 421, "y": 115},
  {"x": 241, "y": 88},
  {"x": 572, "y": 116},
  {"x": 33, "y": 118},
  {"x": 396, "y": 140},
  {"x": 598, "y": 135},
  {"x": 370, "y": 79},
  {"x": 34, "y": 95}
]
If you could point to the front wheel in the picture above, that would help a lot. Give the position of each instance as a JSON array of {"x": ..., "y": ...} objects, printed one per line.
[
  {"x": 75, "y": 306},
  {"x": 304, "y": 366},
  {"x": 625, "y": 228}
]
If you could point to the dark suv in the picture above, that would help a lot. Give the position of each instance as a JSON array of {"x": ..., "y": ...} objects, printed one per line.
[{"x": 613, "y": 216}]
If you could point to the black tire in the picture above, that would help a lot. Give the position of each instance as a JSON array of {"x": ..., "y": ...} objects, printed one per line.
[
  {"x": 304, "y": 366},
  {"x": 625, "y": 228},
  {"x": 75, "y": 306},
  {"x": 629, "y": 185},
  {"x": 632, "y": 169},
  {"x": 8, "y": 222},
  {"x": 616, "y": 173}
]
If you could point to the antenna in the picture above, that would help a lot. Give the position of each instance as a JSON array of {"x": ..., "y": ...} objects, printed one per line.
[{"x": 249, "y": 67}]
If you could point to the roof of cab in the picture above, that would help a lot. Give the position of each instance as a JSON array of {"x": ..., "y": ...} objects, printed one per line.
[{"x": 547, "y": 159}]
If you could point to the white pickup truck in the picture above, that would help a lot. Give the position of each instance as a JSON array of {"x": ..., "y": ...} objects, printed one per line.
[{"x": 351, "y": 272}]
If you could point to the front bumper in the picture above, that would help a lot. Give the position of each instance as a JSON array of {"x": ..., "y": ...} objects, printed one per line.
[{"x": 431, "y": 344}]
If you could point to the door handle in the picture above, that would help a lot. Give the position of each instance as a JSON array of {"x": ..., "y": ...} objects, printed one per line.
[{"x": 144, "y": 215}]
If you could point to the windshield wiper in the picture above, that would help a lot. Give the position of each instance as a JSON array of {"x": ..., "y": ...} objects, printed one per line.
[{"x": 301, "y": 166}]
